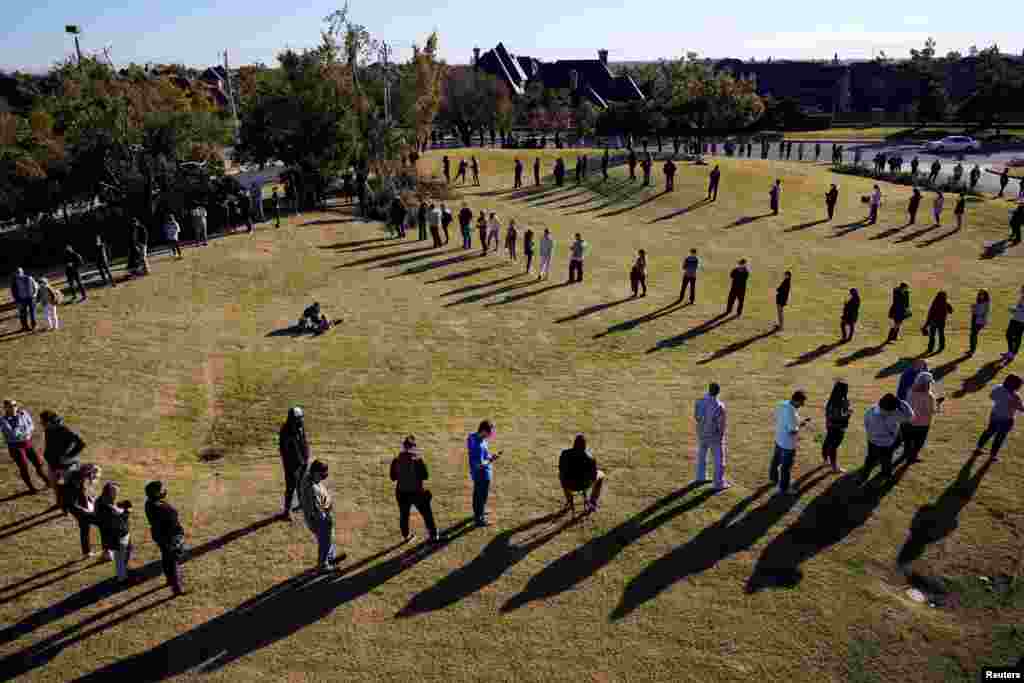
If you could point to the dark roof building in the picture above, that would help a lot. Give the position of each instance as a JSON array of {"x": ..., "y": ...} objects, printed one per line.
[{"x": 589, "y": 79}]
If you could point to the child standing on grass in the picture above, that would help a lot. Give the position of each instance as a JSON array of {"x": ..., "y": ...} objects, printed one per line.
[
  {"x": 979, "y": 317},
  {"x": 50, "y": 298},
  {"x": 112, "y": 520}
]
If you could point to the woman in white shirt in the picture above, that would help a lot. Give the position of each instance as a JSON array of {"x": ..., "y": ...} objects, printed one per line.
[
  {"x": 979, "y": 318},
  {"x": 494, "y": 231}
]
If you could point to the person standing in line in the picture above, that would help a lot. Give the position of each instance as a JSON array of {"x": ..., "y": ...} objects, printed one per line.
[
  {"x": 800, "y": 151},
  {"x": 577, "y": 472},
  {"x": 924, "y": 404},
  {"x": 937, "y": 205},
  {"x": 848, "y": 320},
  {"x": 1004, "y": 180},
  {"x": 294, "y": 447},
  {"x": 536, "y": 171},
  {"x": 528, "y": 249},
  {"x": 446, "y": 166},
  {"x": 465, "y": 219},
  {"x": 167, "y": 533},
  {"x": 275, "y": 206},
  {"x": 710, "y": 415},
  {"x": 559, "y": 172},
  {"x": 256, "y": 194},
  {"x": 510, "y": 239},
  {"x": 396, "y": 217},
  {"x": 959, "y": 209},
  {"x": 782, "y": 298},
  {"x": 817, "y": 151},
  {"x": 638, "y": 274},
  {"x": 936, "y": 168},
  {"x": 631, "y": 162},
  {"x": 494, "y": 231},
  {"x": 140, "y": 238},
  {"x": 1015, "y": 330},
  {"x": 873, "y": 203},
  {"x": 421, "y": 220},
  {"x": 112, "y": 519},
  {"x": 16, "y": 426},
  {"x": 831, "y": 197},
  {"x": 909, "y": 376},
  {"x": 434, "y": 220},
  {"x": 460, "y": 176},
  {"x": 408, "y": 471},
  {"x": 691, "y": 264},
  {"x": 713, "y": 179},
  {"x": 547, "y": 250},
  {"x": 446, "y": 220},
  {"x": 318, "y": 509},
  {"x": 899, "y": 311},
  {"x": 73, "y": 263},
  {"x": 645, "y": 166},
  {"x": 605, "y": 160},
  {"x": 103, "y": 261},
  {"x": 62, "y": 451},
  {"x": 50, "y": 298},
  {"x": 480, "y": 464},
  {"x": 172, "y": 231},
  {"x": 787, "y": 433},
  {"x": 883, "y": 424},
  {"x": 935, "y": 323},
  {"x": 670, "y": 175},
  {"x": 199, "y": 228},
  {"x": 576, "y": 254},
  {"x": 245, "y": 206},
  {"x": 474, "y": 166},
  {"x": 519, "y": 173},
  {"x": 958, "y": 173},
  {"x": 975, "y": 176},
  {"x": 914, "y": 163},
  {"x": 80, "y": 503},
  {"x": 1016, "y": 223},
  {"x": 481, "y": 228},
  {"x": 837, "y": 421},
  {"x": 774, "y": 195},
  {"x": 913, "y": 205},
  {"x": 738, "y": 289},
  {"x": 979, "y": 318},
  {"x": 25, "y": 292},
  {"x": 1006, "y": 403}
]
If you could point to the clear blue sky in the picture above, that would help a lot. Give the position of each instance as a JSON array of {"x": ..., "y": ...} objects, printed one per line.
[{"x": 194, "y": 31}]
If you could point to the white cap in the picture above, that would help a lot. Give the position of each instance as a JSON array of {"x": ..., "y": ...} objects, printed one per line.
[{"x": 296, "y": 411}]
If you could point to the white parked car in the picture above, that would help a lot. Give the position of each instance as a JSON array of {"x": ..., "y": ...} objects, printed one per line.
[{"x": 953, "y": 143}]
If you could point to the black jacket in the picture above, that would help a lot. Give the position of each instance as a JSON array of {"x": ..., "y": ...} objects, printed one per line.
[
  {"x": 63, "y": 446},
  {"x": 851, "y": 310},
  {"x": 163, "y": 523},
  {"x": 739, "y": 278},
  {"x": 294, "y": 445},
  {"x": 782, "y": 293},
  {"x": 577, "y": 469},
  {"x": 113, "y": 525},
  {"x": 408, "y": 473}
]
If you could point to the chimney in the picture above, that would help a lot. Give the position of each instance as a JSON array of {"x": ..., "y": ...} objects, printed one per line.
[
  {"x": 603, "y": 56},
  {"x": 476, "y": 56}
]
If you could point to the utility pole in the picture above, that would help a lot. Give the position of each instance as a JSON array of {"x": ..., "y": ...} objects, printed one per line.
[
  {"x": 385, "y": 53},
  {"x": 73, "y": 29},
  {"x": 231, "y": 94}
]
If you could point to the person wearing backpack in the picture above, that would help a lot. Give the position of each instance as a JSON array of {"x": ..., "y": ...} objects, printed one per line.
[
  {"x": 50, "y": 298},
  {"x": 577, "y": 472},
  {"x": 408, "y": 471},
  {"x": 73, "y": 263},
  {"x": 112, "y": 520}
]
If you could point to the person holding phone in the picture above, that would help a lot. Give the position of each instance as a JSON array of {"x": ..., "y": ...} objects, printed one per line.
[
  {"x": 480, "y": 461},
  {"x": 787, "y": 432},
  {"x": 923, "y": 402}
]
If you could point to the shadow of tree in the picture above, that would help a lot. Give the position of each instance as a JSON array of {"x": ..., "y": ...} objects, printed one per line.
[
  {"x": 736, "y": 347},
  {"x": 692, "y": 333},
  {"x": 586, "y": 560},
  {"x": 831, "y": 517}
]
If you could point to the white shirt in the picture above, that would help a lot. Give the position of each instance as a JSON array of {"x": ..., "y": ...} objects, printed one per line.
[
  {"x": 494, "y": 225},
  {"x": 435, "y": 217},
  {"x": 547, "y": 245},
  {"x": 787, "y": 423}
]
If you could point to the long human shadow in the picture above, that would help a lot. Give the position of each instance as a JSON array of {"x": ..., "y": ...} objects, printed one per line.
[
  {"x": 935, "y": 521},
  {"x": 6, "y": 597},
  {"x": 19, "y": 494},
  {"x": 895, "y": 368},
  {"x": 40, "y": 575},
  {"x": 480, "y": 285},
  {"x": 95, "y": 593},
  {"x": 519, "y": 297},
  {"x": 843, "y": 507},
  {"x": 846, "y": 229},
  {"x": 645, "y": 318},
  {"x": 994, "y": 249},
  {"x": 806, "y": 226},
  {"x": 980, "y": 379},
  {"x": 466, "y": 273},
  {"x": 618, "y": 195},
  {"x": 496, "y": 558},
  {"x": 680, "y": 212},
  {"x": 941, "y": 371},
  {"x": 357, "y": 243},
  {"x": 431, "y": 253},
  {"x": 937, "y": 238},
  {"x": 390, "y": 242},
  {"x": 30, "y": 525},
  {"x": 712, "y": 545},
  {"x": 39, "y": 654},
  {"x": 589, "y": 558},
  {"x": 480, "y": 296},
  {"x": 596, "y": 308},
  {"x": 269, "y": 617},
  {"x": 597, "y": 192},
  {"x": 382, "y": 257},
  {"x": 814, "y": 354},
  {"x": 692, "y": 333},
  {"x": 23, "y": 520},
  {"x": 911, "y": 236},
  {"x": 861, "y": 354},
  {"x": 735, "y": 347},
  {"x": 433, "y": 265},
  {"x": 747, "y": 220},
  {"x": 561, "y": 197},
  {"x": 636, "y": 205},
  {"x": 890, "y": 232}
]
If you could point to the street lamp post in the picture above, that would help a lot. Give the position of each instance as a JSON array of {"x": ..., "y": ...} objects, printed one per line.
[
  {"x": 72, "y": 29},
  {"x": 385, "y": 53}
]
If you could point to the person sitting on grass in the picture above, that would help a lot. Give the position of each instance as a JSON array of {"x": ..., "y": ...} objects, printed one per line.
[
  {"x": 577, "y": 472},
  {"x": 313, "y": 320}
]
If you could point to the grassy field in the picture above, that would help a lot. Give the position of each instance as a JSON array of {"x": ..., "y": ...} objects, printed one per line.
[{"x": 186, "y": 375}]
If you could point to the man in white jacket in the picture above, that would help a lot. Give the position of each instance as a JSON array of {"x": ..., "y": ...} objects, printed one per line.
[
  {"x": 711, "y": 425},
  {"x": 547, "y": 250}
]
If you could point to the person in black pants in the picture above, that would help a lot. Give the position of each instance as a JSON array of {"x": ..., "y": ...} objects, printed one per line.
[
  {"x": 465, "y": 219},
  {"x": 1016, "y": 222},
  {"x": 167, "y": 533},
  {"x": 421, "y": 220},
  {"x": 913, "y": 206},
  {"x": 446, "y": 220},
  {"x": 837, "y": 421},
  {"x": 738, "y": 290},
  {"x": 79, "y": 502},
  {"x": 408, "y": 471},
  {"x": 536, "y": 171},
  {"x": 519, "y": 174},
  {"x": 63, "y": 448},
  {"x": 73, "y": 263},
  {"x": 716, "y": 175},
  {"x": 294, "y": 447},
  {"x": 103, "y": 261},
  {"x": 848, "y": 321},
  {"x": 782, "y": 297},
  {"x": 935, "y": 323},
  {"x": 831, "y": 197}
]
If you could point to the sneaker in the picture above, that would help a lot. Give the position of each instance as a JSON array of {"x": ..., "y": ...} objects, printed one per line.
[
  {"x": 698, "y": 482},
  {"x": 723, "y": 486},
  {"x": 409, "y": 538},
  {"x": 483, "y": 522}
]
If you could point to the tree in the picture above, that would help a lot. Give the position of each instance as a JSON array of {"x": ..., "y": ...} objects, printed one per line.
[
  {"x": 470, "y": 101},
  {"x": 423, "y": 80},
  {"x": 931, "y": 102},
  {"x": 998, "y": 85},
  {"x": 703, "y": 98}
]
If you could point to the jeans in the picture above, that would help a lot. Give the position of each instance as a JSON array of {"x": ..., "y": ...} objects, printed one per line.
[
  {"x": 122, "y": 555},
  {"x": 736, "y": 296},
  {"x": 481, "y": 489},
  {"x": 996, "y": 428},
  {"x": 914, "y": 439},
  {"x": 691, "y": 281},
  {"x": 421, "y": 501},
  {"x": 326, "y": 549},
  {"x": 27, "y": 312},
  {"x": 782, "y": 465},
  {"x": 545, "y": 264},
  {"x": 22, "y": 454},
  {"x": 975, "y": 331},
  {"x": 575, "y": 270},
  {"x": 878, "y": 455},
  {"x": 169, "y": 563},
  {"x": 718, "y": 451},
  {"x": 1014, "y": 333},
  {"x": 291, "y": 486},
  {"x": 84, "y": 522},
  {"x": 103, "y": 268},
  {"x": 935, "y": 329}
]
